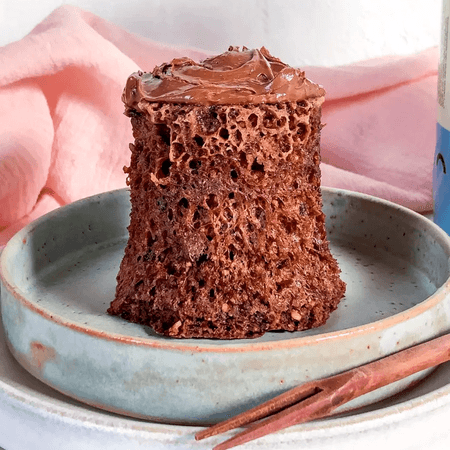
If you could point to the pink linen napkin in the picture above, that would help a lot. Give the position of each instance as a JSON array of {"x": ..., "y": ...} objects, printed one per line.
[{"x": 63, "y": 135}]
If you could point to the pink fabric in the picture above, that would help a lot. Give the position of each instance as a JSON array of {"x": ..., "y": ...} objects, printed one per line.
[{"x": 63, "y": 135}]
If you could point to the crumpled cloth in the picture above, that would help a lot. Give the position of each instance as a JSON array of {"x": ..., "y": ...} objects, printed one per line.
[{"x": 63, "y": 135}]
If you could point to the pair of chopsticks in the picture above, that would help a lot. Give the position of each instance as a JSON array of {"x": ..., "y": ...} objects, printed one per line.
[{"x": 317, "y": 399}]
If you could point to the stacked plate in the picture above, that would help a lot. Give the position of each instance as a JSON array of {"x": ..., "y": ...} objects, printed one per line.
[{"x": 75, "y": 377}]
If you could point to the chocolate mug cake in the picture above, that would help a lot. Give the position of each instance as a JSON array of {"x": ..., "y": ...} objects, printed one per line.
[{"x": 227, "y": 235}]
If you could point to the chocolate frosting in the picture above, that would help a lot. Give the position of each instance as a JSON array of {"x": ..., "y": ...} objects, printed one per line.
[{"x": 234, "y": 77}]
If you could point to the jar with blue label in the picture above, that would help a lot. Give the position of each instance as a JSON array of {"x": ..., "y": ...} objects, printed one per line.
[{"x": 441, "y": 169}]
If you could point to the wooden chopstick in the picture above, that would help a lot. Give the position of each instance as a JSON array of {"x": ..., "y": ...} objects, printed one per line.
[{"x": 317, "y": 399}]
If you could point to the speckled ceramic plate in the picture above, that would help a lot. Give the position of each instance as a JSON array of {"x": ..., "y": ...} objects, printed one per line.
[
  {"x": 34, "y": 416},
  {"x": 58, "y": 277}
]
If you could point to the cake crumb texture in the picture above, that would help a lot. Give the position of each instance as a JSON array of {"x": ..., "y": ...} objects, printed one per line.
[{"x": 227, "y": 236}]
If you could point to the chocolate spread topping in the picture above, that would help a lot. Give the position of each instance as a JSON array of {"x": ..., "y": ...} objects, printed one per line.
[{"x": 234, "y": 77}]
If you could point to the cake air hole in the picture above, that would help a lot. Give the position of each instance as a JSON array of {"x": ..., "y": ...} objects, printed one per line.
[
  {"x": 253, "y": 120},
  {"x": 281, "y": 122},
  {"x": 257, "y": 167},
  {"x": 199, "y": 140},
  {"x": 243, "y": 159},
  {"x": 302, "y": 130},
  {"x": 212, "y": 202},
  {"x": 224, "y": 134},
  {"x": 184, "y": 203},
  {"x": 269, "y": 120},
  {"x": 164, "y": 132},
  {"x": 164, "y": 171},
  {"x": 290, "y": 225},
  {"x": 285, "y": 144},
  {"x": 194, "y": 164},
  {"x": 210, "y": 234},
  {"x": 203, "y": 258},
  {"x": 238, "y": 137}
]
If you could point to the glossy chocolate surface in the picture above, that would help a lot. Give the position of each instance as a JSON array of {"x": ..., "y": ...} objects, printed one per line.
[{"x": 234, "y": 77}]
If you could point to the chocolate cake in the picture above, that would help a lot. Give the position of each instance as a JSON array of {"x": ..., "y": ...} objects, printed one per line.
[{"x": 227, "y": 237}]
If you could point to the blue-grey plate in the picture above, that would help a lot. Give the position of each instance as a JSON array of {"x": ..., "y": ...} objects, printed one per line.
[{"x": 58, "y": 278}]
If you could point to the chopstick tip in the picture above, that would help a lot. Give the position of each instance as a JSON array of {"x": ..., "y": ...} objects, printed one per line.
[{"x": 199, "y": 436}]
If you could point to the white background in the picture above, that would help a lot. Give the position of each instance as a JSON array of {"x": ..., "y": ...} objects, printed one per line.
[{"x": 300, "y": 32}]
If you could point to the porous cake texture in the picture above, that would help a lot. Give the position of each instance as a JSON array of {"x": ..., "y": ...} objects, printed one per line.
[{"x": 226, "y": 237}]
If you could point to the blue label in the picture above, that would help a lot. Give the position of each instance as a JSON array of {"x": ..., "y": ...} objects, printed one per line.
[{"x": 441, "y": 179}]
